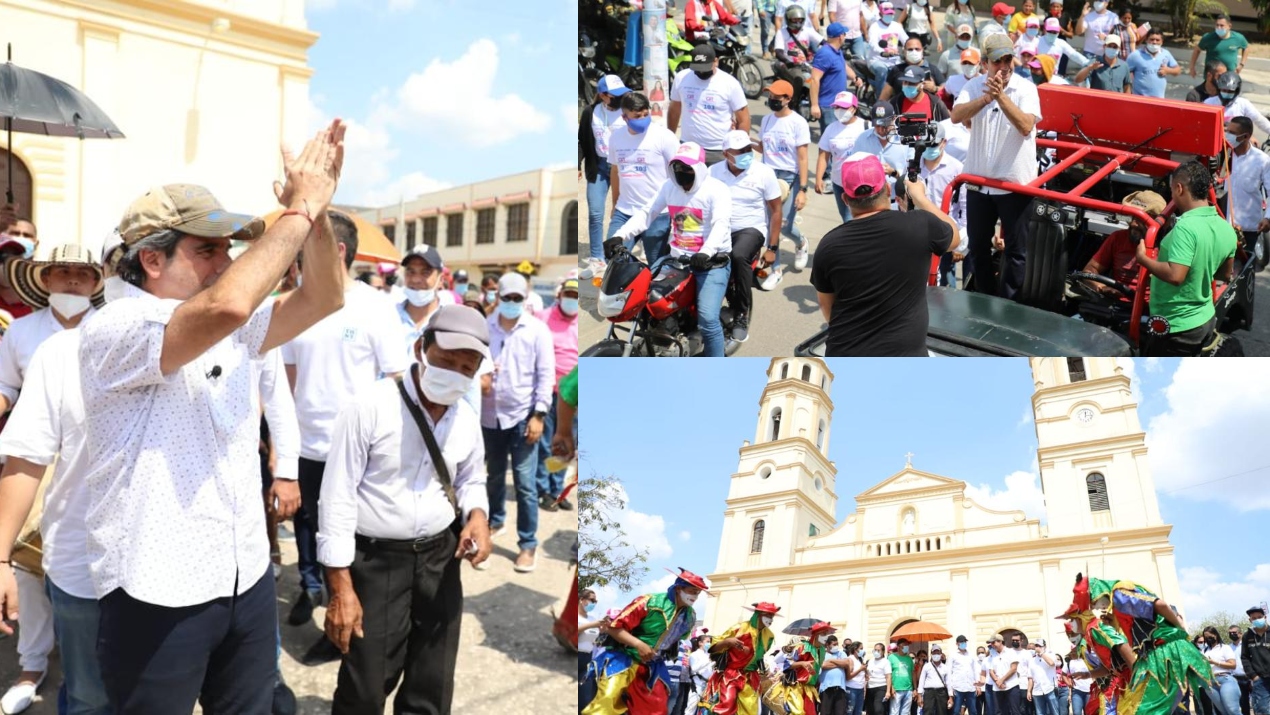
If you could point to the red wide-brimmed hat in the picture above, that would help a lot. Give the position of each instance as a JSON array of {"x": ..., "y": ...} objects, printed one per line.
[
  {"x": 770, "y": 609},
  {"x": 691, "y": 578},
  {"x": 822, "y": 626}
]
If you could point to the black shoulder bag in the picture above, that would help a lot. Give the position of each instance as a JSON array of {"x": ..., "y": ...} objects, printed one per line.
[{"x": 438, "y": 462}]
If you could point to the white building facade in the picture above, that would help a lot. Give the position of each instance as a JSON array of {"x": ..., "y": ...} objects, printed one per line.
[{"x": 916, "y": 547}]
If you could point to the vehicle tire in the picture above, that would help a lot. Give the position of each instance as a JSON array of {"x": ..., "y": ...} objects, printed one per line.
[
  {"x": 610, "y": 347},
  {"x": 1261, "y": 252},
  {"x": 1228, "y": 347},
  {"x": 632, "y": 77},
  {"x": 750, "y": 77}
]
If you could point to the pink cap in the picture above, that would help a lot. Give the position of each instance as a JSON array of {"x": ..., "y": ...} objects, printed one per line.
[
  {"x": 1034, "y": 64},
  {"x": 883, "y": 7},
  {"x": 1052, "y": 23},
  {"x": 1032, "y": 22},
  {"x": 690, "y": 153},
  {"x": 862, "y": 175},
  {"x": 845, "y": 100}
]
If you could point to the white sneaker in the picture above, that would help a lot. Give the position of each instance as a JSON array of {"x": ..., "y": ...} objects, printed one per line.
[
  {"x": 772, "y": 280},
  {"x": 483, "y": 566},
  {"x": 498, "y": 532},
  {"x": 19, "y": 697},
  {"x": 800, "y": 257},
  {"x": 594, "y": 267}
]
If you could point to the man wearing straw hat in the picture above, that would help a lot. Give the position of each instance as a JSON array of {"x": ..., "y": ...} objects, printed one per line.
[{"x": 735, "y": 687}]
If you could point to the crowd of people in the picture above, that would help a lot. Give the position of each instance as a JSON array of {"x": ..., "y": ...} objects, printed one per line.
[
  {"x": 1126, "y": 652},
  {"x": 714, "y": 181},
  {"x": 169, "y": 407}
]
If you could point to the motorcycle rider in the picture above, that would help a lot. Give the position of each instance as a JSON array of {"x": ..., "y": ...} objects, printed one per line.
[
  {"x": 1228, "y": 87},
  {"x": 795, "y": 46},
  {"x": 700, "y": 217},
  {"x": 755, "y": 223},
  {"x": 886, "y": 37},
  {"x": 701, "y": 15}
]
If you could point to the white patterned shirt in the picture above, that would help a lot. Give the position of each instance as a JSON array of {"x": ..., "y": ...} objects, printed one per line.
[{"x": 174, "y": 517}]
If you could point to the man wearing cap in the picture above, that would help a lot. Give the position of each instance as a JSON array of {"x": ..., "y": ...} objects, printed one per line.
[
  {"x": 938, "y": 169},
  {"x": 595, "y": 127},
  {"x": 1042, "y": 679},
  {"x": 1108, "y": 72},
  {"x": 1001, "y": 15},
  {"x": 919, "y": 70},
  {"x": 701, "y": 217},
  {"x": 640, "y": 158},
  {"x": 562, "y": 321},
  {"x": 883, "y": 143},
  {"x": 631, "y": 676},
  {"x": 1052, "y": 44},
  {"x": 176, "y": 537},
  {"x": 968, "y": 69},
  {"x": 934, "y": 694},
  {"x": 1098, "y": 27},
  {"x": 784, "y": 137},
  {"x": 735, "y": 688},
  {"x": 459, "y": 285},
  {"x": 870, "y": 273},
  {"x": 709, "y": 101},
  {"x": 755, "y": 221},
  {"x": 514, "y": 412},
  {"x": 836, "y": 144},
  {"x": 1117, "y": 256},
  {"x": 886, "y": 40},
  {"x": 341, "y": 355},
  {"x": 948, "y": 61},
  {"x": 1002, "y": 110},
  {"x": 830, "y": 73},
  {"x": 1255, "y": 658},
  {"x": 396, "y": 524},
  {"x": 1200, "y": 249},
  {"x": 913, "y": 97}
]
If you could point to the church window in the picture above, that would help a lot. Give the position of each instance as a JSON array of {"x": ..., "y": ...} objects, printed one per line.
[
  {"x": 756, "y": 540},
  {"x": 819, "y": 484},
  {"x": 765, "y": 472},
  {"x": 806, "y": 373},
  {"x": 928, "y": 544},
  {"x": 1096, "y": 485},
  {"x": 820, "y": 435},
  {"x": 937, "y": 544},
  {"x": 784, "y": 370},
  {"x": 1076, "y": 369},
  {"x": 918, "y": 546},
  {"x": 776, "y": 424},
  {"x": 888, "y": 549},
  {"x": 908, "y": 547},
  {"x": 812, "y": 530},
  {"x": 824, "y": 381}
]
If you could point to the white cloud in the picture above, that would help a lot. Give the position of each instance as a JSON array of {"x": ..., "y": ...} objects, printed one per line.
[
  {"x": 457, "y": 98},
  {"x": 1205, "y": 591},
  {"x": 1195, "y": 441},
  {"x": 1026, "y": 418},
  {"x": 1022, "y": 492},
  {"x": 569, "y": 113},
  {"x": 400, "y": 5},
  {"x": 1151, "y": 364},
  {"x": 685, "y": 536}
]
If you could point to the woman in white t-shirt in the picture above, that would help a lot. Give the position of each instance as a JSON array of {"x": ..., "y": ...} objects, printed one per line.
[
  {"x": 836, "y": 144},
  {"x": 1225, "y": 689},
  {"x": 1078, "y": 672},
  {"x": 856, "y": 676},
  {"x": 878, "y": 684}
]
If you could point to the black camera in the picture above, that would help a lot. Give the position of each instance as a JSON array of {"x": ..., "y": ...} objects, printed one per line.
[{"x": 919, "y": 133}]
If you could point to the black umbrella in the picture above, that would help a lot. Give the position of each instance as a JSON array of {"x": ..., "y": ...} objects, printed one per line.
[
  {"x": 35, "y": 103},
  {"x": 801, "y": 627}
]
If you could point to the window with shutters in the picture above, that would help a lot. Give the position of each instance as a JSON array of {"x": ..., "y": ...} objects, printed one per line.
[
  {"x": 517, "y": 222},
  {"x": 485, "y": 226},
  {"x": 1076, "y": 369},
  {"x": 410, "y": 234},
  {"x": 756, "y": 538},
  {"x": 1097, "y": 488},
  {"x": 390, "y": 232},
  {"x": 430, "y": 231},
  {"x": 812, "y": 530},
  {"x": 784, "y": 370},
  {"x": 454, "y": 230}
]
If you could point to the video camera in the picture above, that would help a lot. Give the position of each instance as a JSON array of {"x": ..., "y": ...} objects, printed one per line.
[{"x": 919, "y": 133}]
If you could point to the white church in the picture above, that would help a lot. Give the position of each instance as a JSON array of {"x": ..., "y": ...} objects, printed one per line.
[{"x": 916, "y": 547}]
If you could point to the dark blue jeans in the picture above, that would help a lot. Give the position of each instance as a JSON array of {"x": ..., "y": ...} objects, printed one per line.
[
  {"x": 969, "y": 700},
  {"x": 306, "y": 524},
  {"x": 500, "y": 444},
  {"x": 550, "y": 484},
  {"x": 223, "y": 653},
  {"x": 75, "y": 627}
]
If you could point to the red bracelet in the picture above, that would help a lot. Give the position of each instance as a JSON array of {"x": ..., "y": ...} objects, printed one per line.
[{"x": 297, "y": 212}]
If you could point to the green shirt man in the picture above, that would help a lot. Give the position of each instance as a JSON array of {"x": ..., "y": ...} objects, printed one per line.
[
  {"x": 901, "y": 672},
  {"x": 1203, "y": 241},
  {"x": 1228, "y": 47}
]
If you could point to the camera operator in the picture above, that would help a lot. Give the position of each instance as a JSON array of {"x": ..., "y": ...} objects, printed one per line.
[
  {"x": 1002, "y": 109},
  {"x": 870, "y": 273},
  {"x": 884, "y": 143}
]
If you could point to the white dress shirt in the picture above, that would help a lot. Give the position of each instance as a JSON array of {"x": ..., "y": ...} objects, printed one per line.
[
  {"x": 1004, "y": 660},
  {"x": 997, "y": 150},
  {"x": 379, "y": 479},
  {"x": 933, "y": 676},
  {"x": 1249, "y": 180},
  {"x": 175, "y": 516},
  {"x": 48, "y": 424},
  {"x": 20, "y": 341},
  {"x": 964, "y": 672},
  {"x": 1240, "y": 107}
]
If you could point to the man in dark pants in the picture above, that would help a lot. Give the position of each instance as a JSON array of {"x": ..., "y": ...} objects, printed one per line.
[
  {"x": 395, "y": 526},
  {"x": 1255, "y": 658},
  {"x": 1245, "y": 687},
  {"x": 176, "y": 532},
  {"x": 1005, "y": 676}
]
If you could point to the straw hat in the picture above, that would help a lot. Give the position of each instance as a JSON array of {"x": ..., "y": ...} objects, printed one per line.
[{"x": 24, "y": 274}]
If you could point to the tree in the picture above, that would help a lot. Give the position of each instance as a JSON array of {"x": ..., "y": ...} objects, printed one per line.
[
  {"x": 1185, "y": 14},
  {"x": 606, "y": 556},
  {"x": 1221, "y": 620}
]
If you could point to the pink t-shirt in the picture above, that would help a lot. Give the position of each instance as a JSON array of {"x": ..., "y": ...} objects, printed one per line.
[{"x": 564, "y": 335}]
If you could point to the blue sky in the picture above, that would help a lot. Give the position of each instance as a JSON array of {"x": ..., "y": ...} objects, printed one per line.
[
  {"x": 1205, "y": 422},
  {"x": 442, "y": 92}
]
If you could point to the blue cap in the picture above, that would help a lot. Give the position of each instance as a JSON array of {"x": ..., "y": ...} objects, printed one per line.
[
  {"x": 835, "y": 29},
  {"x": 613, "y": 85}
]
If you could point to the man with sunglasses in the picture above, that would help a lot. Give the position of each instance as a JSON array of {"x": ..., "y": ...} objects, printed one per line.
[{"x": 1002, "y": 110}]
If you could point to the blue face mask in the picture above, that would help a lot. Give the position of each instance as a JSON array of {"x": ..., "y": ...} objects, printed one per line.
[
  {"x": 911, "y": 91},
  {"x": 932, "y": 153},
  {"x": 569, "y": 306},
  {"x": 490, "y": 296},
  {"x": 1111, "y": 52},
  {"x": 963, "y": 44},
  {"x": 1258, "y": 623},
  {"x": 905, "y": 650},
  {"x": 639, "y": 126},
  {"x": 460, "y": 288},
  {"x": 511, "y": 311},
  {"x": 743, "y": 161},
  {"x": 1033, "y": 32},
  {"x": 1221, "y": 31}
]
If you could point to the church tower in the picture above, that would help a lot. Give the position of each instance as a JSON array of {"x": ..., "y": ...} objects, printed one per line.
[
  {"x": 783, "y": 490},
  {"x": 1091, "y": 448}
]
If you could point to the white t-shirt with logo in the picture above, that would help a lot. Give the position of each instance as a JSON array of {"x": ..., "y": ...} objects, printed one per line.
[
  {"x": 807, "y": 37},
  {"x": 642, "y": 162},
  {"x": 997, "y": 150},
  {"x": 708, "y": 106},
  {"x": 894, "y": 36},
  {"x": 1095, "y": 24},
  {"x": 847, "y": 12},
  {"x": 839, "y": 140},
  {"x": 603, "y": 123},
  {"x": 750, "y": 190},
  {"x": 341, "y": 355},
  {"x": 781, "y": 137},
  {"x": 878, "y": 669}
]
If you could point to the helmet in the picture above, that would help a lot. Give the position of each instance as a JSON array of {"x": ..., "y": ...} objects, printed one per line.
[
  {"x": 460, "y": 275},
  {"x": 794, "y": 12},
  {"x": 1229, "y": 82}
]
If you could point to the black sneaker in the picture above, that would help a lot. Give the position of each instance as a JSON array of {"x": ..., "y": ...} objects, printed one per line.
[
  {"x": 324, "y": 651},
  {"x": 740, "y": 327},
  {"x": 566, "y": 504},
  {"x": 546, "y": 503},
  {"x": 283, "y": 699},
  {"x": 302, "y": 611}
]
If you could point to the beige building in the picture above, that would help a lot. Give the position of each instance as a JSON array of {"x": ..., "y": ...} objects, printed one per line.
[
  {"x": 204, "y": 91},
  {"x": 491, "y": 226},
  {"x": 916, "y": 547}
]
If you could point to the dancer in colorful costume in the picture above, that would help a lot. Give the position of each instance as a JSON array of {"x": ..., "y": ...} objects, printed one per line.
[
  {"x": 799, "y": 689},
  {"x": 631, "y": 676},
  {"x": 738, "y": 654},
  {"x": 1164, "y": 664}
]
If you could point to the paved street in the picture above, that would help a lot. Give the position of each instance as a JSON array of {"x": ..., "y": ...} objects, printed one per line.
[
  {"x": 508, "y": 659},
  {"x": 788, "y": 315}
]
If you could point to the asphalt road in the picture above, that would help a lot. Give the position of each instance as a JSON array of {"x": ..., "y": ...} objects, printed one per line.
[{"x": 789, "y": 314}]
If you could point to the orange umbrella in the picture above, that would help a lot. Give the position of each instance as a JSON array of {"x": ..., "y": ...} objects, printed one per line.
[
  {"x": 921, "y": 631},
  {"x": 372, "y": 245}
]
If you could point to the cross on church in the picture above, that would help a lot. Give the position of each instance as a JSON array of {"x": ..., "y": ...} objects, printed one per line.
[{"x": 908, "y": 459}]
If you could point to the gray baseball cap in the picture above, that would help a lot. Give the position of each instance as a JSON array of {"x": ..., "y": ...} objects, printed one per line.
[{"x": 458, "y": 327}]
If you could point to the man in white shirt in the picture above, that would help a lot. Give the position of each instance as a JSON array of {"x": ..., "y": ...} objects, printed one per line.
[
  {"x": 756, "y": 216},
  {"x": 1042, "y": 679},
  {"x": 176, "y": 532},
  {"x": 341, "y": 355},
  {"x": 395, "y": 523},
  {"x": 938, "y": 169},
  {"x": 1003, "y": 110},
  {"x": 1249, "y": 182},
  {"x": 966, "y": 674},
  {"x": 1005, "y": 676},
  {"x": 709, "y": 101},
  {"x": 640, "y": 159}
]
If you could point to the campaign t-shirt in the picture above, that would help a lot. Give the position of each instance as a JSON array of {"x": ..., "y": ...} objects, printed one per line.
[
  {"x": 847, "y": 12},
  {"x": 1098, "y": 23},
  {"x": 1225, "y": 48},
  {"x": 708, "y": 106},
  {"x": 781, "y": 137},
  {"x": 1145, "y": 68},
  {"x": 876, "y": 268},
  {"x": 1118, "y": 256},
  {"x": 795, "y": 44},
  {"x": 603, "y": 123},
  {"x": 901, "y": 665},
  {"x": 893, "y": 36},
  {"x": 839, "y": 140},
  {"x": 750, "y": 191},
  {"x": 1202, "y": 240},
  {"x": 642, "y": 162}
]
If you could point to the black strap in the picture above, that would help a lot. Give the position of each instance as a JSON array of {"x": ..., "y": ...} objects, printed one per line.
[{"x": 438, "y": 462}]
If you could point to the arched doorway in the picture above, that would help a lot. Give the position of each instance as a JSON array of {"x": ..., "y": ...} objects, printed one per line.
[
  {"x": 913, "y": 647},
  {"x": 22, "y": 186},
  {"x": 569, "y": 230},
  {"x": 1008, "y": 633}
]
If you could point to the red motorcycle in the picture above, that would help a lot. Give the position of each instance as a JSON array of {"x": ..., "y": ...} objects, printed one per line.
[{"x": 653, "y": 311}]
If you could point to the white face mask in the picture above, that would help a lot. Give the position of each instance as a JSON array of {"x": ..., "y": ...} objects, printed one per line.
[
  {"x": 913, "y": 56},
  {"x": 936, "y": 658},
  {"x": 843, "y": 115},
  {"x": 442, "y": 386},
  {"x": 67, "y": 305},
  {"x": 877, "y": 654},
  {"x": 115, "y": 288},
  {"x": 420, "y": 298},
  {"x": 969, "y": 71}
]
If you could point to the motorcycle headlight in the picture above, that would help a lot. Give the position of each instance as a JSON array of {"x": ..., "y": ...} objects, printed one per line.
[
  {"x": 743, "y": 40},
  {"x": 611, "y": 305}
]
